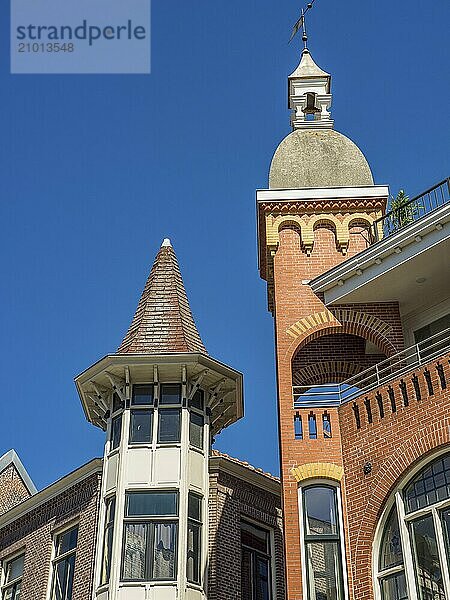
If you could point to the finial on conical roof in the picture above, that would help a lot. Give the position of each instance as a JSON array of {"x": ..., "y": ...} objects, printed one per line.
[{"x": 163, "y": 322}]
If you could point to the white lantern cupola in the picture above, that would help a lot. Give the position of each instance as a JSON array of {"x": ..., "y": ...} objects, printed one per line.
[{"x": 310, "y": 95}]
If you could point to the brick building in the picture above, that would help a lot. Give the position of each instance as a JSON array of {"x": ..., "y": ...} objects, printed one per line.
[{"x": 360, "y": 300}]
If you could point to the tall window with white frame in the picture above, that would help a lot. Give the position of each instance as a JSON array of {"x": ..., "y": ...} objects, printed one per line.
[
  {"x": 12, "y": 577},
  {"x": 110, "y": 510},
  {"x": 150, "y": 536},
  {"x": 194, "y": 538},
  {"x": 322, "y": 542},
  {"x": 63, "y": 564},
  {"x": 418, "y": 527},
  {"x": 256, "y": 562}
]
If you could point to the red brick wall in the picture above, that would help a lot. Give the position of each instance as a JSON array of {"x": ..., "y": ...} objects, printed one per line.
[
  {"x": 392, "y": 444},
  {"x": 293, "y": 301},
  {"x": 12, "y": 489},
  {"x": 33, "y": 533}
]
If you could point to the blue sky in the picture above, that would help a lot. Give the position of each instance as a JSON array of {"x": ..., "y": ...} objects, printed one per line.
[{"x": 96, "y": 170}]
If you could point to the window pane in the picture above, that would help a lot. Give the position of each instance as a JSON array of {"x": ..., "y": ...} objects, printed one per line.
[
  {"x": 107, "y": 552},
  {"x": 169, "y": 425},
  {"x": 255, "y": 537},
  {"x": 14, "y": 568},
  {"x": 391, "y": 548},
  {"x": 152, "y": 503},
  {"x": 246, "y": 575},
  {"x": 13, "y": 592},
  {"x": 193, "y": 552},
  {"x": 197, "y": 400},
  {"x": 428, "y": 567},
  {"x": 66, "y": 541},
  {"x": 324, "y": 568},
  {"x": 63, "y": 578},
  {"x": 431, "y": 485},
  {"x": 142, "y": 395},
  {"x": 116, "y": 429},
  {"x": 196, "y": 430},
  {"x": 320, "y": 511},
  {"x": 394, "y": 587},
  {"x": 134, "y": 554},
  {"x": 117, "y": 403},
  {"x": 195, "y": 507},
  {"x": 446, "y": 527},
  {"x": 141, "y": 422},
  {"x": 164, "y": 551},
  {"x": 262, "y": 579},
  {"x": 170, "y": 393},
  {"x": 108, "y": 539}
]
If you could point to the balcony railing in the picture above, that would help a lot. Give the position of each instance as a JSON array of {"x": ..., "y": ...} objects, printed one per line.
[
  {"x": 411, "y": 211},
  {"x": 371, "y": 378}
]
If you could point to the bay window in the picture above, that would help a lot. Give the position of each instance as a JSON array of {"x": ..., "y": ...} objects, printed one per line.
[{"x": 150, "y": 536}]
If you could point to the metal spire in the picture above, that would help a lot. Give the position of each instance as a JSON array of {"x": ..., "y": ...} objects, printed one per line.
[{"x": 301, "y": 24}]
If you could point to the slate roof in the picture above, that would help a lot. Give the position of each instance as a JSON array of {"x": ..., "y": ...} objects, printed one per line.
[{"x": 163, "y": 322}]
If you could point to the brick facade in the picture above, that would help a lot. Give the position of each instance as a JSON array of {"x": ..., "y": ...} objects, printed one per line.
[
  {"x": 33, "y": 532},
  {"x": 12, "y": 489},
  {"x": 415, "y": 422},
  {"x": 232, "y": 499}
]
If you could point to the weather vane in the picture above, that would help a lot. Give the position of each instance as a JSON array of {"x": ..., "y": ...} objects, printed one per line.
[{"x": 301, "y": 24}]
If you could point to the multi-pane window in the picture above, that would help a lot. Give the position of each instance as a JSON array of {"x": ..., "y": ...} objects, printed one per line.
[
  {"x": 256, "y": 563},
  {"x": 116, "y": 431},
  {"x": 64, "y": 564},
  {"x": 108, "y": 539},
  {"x": 194, "y": 540},
  {"x": 141, "y": 415},
  {"x": 150, "y": 536},
  {"x": 322, "y": 543},
  {"x": 196, "y": 419},
  {"x": 425, "y": 502},
  {"x": 13, "y": 572},
  {"x": 169, "y": 413}
]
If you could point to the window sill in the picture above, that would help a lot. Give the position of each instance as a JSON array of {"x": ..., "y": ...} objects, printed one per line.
[{"x": 113, "y": 452}]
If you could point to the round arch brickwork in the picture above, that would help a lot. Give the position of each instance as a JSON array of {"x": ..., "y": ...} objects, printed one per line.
[
  {"x": 317, "y": 330},
  {"x": 317, "y": 471},
  {"x": 319, "y": 373}
]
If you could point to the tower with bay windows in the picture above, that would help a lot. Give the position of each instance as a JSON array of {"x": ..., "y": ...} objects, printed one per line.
[{"x": 160, "y": 399}]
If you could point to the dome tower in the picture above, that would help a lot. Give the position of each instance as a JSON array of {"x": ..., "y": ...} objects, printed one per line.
[{"x": 315, "y": 214}]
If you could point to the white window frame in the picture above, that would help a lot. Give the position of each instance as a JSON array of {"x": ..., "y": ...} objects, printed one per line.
[
  {"x": 434, "y": 510},
  {"x": 4, "y": 571},
  {"x": 54, "y": 558},
  {"x": 323, "y": 483}
]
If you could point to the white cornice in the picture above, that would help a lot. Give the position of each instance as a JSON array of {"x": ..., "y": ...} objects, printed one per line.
[{"x": 359, "y": 192}]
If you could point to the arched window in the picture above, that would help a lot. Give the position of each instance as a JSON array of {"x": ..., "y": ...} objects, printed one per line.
[
  {"x": 414, "y": 548},
  {"x": 321, "y": 525}
]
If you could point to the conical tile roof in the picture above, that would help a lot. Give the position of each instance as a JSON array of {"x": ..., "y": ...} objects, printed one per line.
[{"x": 163, "y": 321}]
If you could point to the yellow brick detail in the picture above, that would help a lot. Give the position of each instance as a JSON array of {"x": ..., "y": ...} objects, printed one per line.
[{"x": 318, "y": 471}]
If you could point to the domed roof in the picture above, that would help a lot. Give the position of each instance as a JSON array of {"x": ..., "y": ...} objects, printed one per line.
[{"x": 318, "y": 158}]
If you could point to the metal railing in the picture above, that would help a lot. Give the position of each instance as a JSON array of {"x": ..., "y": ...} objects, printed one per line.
[
  {"x": 411, "y": 211},
  {"x": 371, "y": 378}
]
